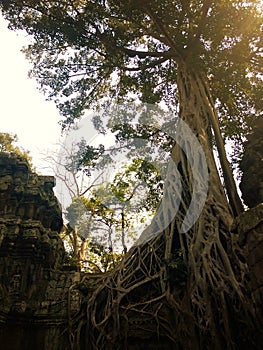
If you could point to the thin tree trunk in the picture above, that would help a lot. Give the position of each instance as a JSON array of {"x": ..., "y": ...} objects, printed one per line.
[
  {"x": 82, "y": 251},
  {"x": 123, "y": 232}
]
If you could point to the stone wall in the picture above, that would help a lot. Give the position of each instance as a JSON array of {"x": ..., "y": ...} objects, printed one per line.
[
  {"x": 251, "y": 165},
  {"x": 249, "y": 227},
  {"x": 37, "y": 294}
]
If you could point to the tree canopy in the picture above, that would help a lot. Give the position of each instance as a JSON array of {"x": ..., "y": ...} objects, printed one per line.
[
  {"x": 7, "y": 144},
  {"x": 85, "y": 50}
]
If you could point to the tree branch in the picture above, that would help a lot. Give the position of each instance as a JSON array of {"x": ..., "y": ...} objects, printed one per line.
[
  {"x": 150, "y": 65},
  {"x": 162, "y": 30},
  {"x": 144, "y": 54}
]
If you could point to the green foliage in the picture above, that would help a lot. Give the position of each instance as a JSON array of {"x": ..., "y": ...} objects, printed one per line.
[
  {"x": 108, "y": 218},
  {"x": 104, "y": 258},
  {"x": 7, "y": 144},
  {"x": 70, "y": 259},
  {"x": 76, "y": 215},
  {"x": 86, "y": 158},
  {"x": 140, "y": 175},
  {"x": 78, "y": 46}
]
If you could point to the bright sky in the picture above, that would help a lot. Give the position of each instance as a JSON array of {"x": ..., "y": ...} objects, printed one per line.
[{"x": 23, "y": 109}]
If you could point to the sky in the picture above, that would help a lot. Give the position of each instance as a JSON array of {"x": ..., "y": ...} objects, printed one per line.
[{"x": 23, "y": 108}]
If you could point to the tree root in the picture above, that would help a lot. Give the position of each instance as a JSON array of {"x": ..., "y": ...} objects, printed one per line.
[{"x": 209, "y": 308}]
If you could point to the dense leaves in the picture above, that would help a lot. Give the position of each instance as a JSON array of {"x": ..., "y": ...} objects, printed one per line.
[
  {"x": 83, "y": 51},
  {"x": 86, "y": 158},
  {"x": 7, "y": 144}
]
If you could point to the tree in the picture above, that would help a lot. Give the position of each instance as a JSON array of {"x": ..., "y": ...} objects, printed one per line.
[
  {"x": 203, "y": 56},
  {"x": 72, "y": 166},
  {"x": 100, "y": 213},
  {"x": 133, "y": 194},
  {"x": 109, "y": 217},
  {"x": 7, "y": 144}
]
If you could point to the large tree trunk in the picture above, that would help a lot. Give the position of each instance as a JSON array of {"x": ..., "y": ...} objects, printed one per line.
[
  {"x": 195, "y": 111},
  {"x": 215, "y": 274},
  {"x": 183, "y": 288}
]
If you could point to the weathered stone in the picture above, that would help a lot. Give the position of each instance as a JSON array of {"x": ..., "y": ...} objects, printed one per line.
[
  {"x": 34, "y": 288},
  {"x": 249, "y": 226},
  {"x": 251, "y": 165},
  {"x": 248, "y": 221}
]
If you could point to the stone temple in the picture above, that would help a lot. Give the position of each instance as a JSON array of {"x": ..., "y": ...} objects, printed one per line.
[{"x": 35, "y": 294}]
